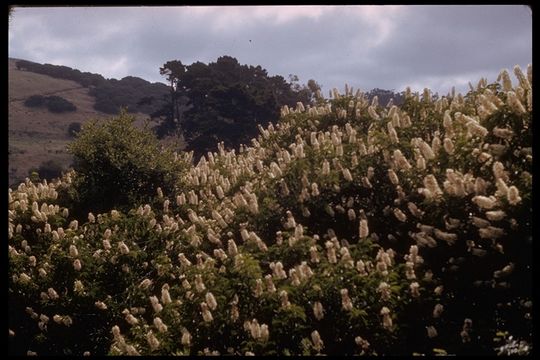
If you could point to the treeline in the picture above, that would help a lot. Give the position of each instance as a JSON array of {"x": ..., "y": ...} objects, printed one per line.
[
  {"x": 226, "y": 101},
  {"x": 222, "y": 101},
  {"x": 135, "y": 94},
  {"x": 86, "y": 79}
]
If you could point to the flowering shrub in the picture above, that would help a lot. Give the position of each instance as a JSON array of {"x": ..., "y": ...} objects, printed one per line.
[{"x": 346, "y": 228}]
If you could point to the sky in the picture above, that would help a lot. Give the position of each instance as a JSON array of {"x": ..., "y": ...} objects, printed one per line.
[{"x": 387, "y": 47}]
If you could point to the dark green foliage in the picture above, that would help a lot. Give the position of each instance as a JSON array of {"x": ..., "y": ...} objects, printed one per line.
[
  {"x": 35, "y": 101},
  {"x": 134, "y": 93},
  {"x": 119, "y": 165},
  {"x": 54, "y": 103},
  {"x": 50, "y": 169},
  {"x": 226, "y": 101},
  {"x": 58, "y": 104},
  {"x": 61, "y": 72}
]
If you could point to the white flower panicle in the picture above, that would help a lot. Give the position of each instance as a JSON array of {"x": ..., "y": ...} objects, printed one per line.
[
  {"x": 155, "y": 304},
  {"x": 513, "y": 195},
  {"x": 186, "y": 337},
  {"x": 318, "y": 344},
  {"x": 165, "y": 296},
  {"x": 284, "y": 297},
  {"x": 153, "y": 342},
  {"x": 504, "y": 76},
  {"x": 515, "y": 104},
  {"x": 414, "y": 287},
  {"x": 318, "y": 310},
  {"x": 161, "y": 327},
  {"x": 387, "y": 319},
  {"x": 384, "y": 290},
  {"x": 363, "y": 229},
  {"x": 346, "y": 302},
  {"x": 77, "y": 265},
  {"x": 431, "y": 331},
  {"x": 438, "y": 310},
  {"x": 206, "y": 314},
  {"x": 484, "y": 202},
  {"x": 73, "y": 252}
]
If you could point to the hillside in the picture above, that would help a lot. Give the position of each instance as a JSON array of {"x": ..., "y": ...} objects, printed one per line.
[
  {"x": 36, "y": 134},
  {"x": 346, "y": 228}
]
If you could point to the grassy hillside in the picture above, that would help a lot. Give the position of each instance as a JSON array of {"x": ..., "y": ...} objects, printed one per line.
[
  {"x": 348, "y": 228},
  {"x": 36, "y": 134}
]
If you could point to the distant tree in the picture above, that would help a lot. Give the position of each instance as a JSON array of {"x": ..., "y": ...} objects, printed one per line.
[
  {"x": 173, "y": 70},
  {"x": 54, "y": 104},
  {"x": 50, "y": 169},
  {"x": 58, "y": 104},
  {"x": 384, "y": 96},
  {"x": 35, "y": 101},
  {"x": 225, "y": 101},
  {"x": 135, "y": 94}
]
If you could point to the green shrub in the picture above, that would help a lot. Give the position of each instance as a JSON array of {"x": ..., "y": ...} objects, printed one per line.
[
  {"x": 54, "y": 103},
  {"x": 58, "y": 104},
  {"x": 50, "y": 169},
  {"x": 119, "y": 165},
  {"x": 35, "y": 101}
]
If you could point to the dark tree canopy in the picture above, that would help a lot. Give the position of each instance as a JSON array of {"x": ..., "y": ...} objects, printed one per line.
[{"x": 225, "y": 101}]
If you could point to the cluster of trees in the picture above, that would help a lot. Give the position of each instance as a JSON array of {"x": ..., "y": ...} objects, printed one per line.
[
  {"x": 224, "y": 101},
  {"x": 55, "y": 104},
  {"x": 133, "y": 93},
  {"x": 61, "y": 72}
]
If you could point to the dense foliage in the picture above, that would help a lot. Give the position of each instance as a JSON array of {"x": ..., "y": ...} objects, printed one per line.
[
  {"x": 53, "y": 103},
  {"x": 58, "y": 104},
  {"x": 224, "y": 101},
  {"x": 346, "y": 228},
  {"x": 136, "y": 94},
  {"x": 112, "y": 155},
  {"x": 61, "y": 72},
  {"x": 50, "y": 169}
]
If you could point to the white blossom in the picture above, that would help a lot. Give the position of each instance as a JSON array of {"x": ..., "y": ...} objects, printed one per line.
[
  {"x": 318, "y": 344},
  {"x": 318, "y": 310}
]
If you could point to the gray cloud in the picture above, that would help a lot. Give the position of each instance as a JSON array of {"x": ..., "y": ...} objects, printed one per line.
[{"x": 367, "y": 47}]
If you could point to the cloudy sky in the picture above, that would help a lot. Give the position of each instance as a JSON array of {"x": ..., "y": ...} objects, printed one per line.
[{"x": 388, "y": 47}]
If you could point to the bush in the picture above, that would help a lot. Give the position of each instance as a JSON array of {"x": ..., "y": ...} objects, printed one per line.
[
  {"x": 35, "y": 101},
  {"x": 58, "y": 104},
  {"x": 119, "y": 165},
  {"x": 54, "y": 104},
  {"x": 50, "y": 169}
]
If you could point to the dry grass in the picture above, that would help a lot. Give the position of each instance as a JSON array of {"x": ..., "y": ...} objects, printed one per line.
[{"x": 35, "y": 134}]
